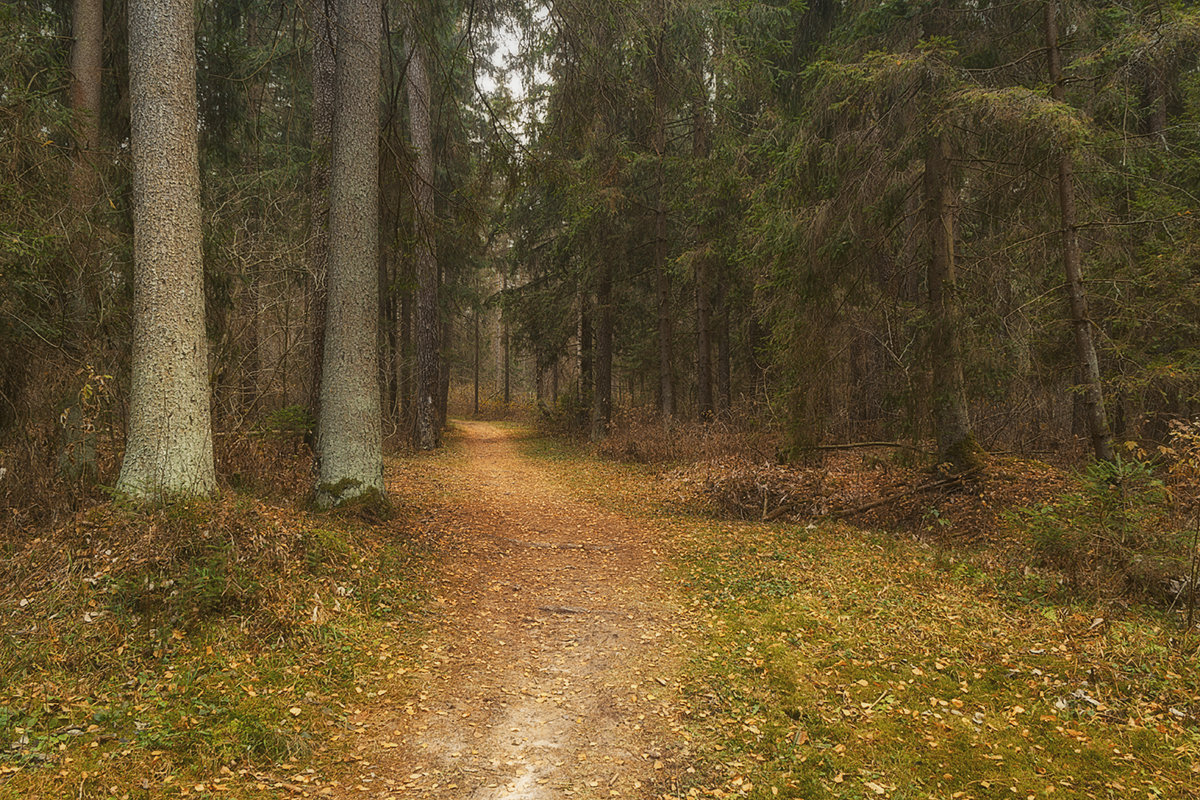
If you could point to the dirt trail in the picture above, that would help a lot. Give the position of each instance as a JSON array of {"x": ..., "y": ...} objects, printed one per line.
[{"x": 553, "y": 656}]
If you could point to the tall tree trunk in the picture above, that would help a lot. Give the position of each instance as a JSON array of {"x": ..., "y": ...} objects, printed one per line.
[
  {"x": 666, "y": 378},
  {"x": 428, "y": 433},
  {"x": 504, "y": 340},
  {"x": 322, "y": 22},
  {"x": 603, "y": 355},
  {"x": 586, "y": 345},
  {"x": 168, "y": 448},
  {"x": 1085, "y": 348},
  {"x": 956, "y": 443},
  {"x": 443, "y": 397},
  {"x": 350, "y": 439},
  {"x": 476, "y": 368},
  {"x": 87, "y": 28},
  {"x": 724, "y": 399},
  {"x": 704, "y": 386},
  {"x": 404, "y": 350}
]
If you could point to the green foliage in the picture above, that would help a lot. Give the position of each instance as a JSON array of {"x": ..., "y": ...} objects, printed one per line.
[{"x": 1116, "y": 524}]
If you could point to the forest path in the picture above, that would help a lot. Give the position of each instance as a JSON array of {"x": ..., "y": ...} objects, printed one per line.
[{"x": 552, "y": 650}]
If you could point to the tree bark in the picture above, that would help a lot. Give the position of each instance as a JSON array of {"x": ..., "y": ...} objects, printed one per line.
[
  {"x": 443, "y": 397},
  {"x": 724, "y": 399},
  {"x": 505, "y": 340},
  {"x": 428, "y": 369},
  {"x": 666, "y": 378},
  {"x": 602, "y": 366},
  {"x": 87, "y": 28},
  {"x": 956, "y": 443},
  {"x": 168, "y": 449},
  {"x": 704, "y": 383},
  {"x": 350, "y": 440},
  {"x": 322, "y": 22},
  {"x": 1085, "y": 348},
  {"x": 586, "y": 345},
  {"x": 476, "y": 367}
]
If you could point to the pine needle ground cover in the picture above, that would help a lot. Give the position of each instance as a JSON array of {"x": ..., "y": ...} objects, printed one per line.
[
  {"x": 832, "y": 662},
  {"x": 209, "y": 649}
]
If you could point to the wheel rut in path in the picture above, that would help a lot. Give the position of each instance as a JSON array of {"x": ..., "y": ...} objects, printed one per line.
[{"x": 551, "y": 663}]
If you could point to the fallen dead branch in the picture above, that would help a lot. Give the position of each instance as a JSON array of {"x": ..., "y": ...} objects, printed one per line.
[{"x": 942, "y": 483}]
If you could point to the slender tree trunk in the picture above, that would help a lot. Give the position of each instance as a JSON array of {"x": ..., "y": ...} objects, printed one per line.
[
  {"x": 956, "y": 444},
  {"x": 476, "y": 370},
  {"x": 443, "y": 397},
  {"x": 724, "y": 399},
  {"x": 428, "y": 369},
  {"x": 168, "y": 449},
  {"x": 77, "y": 445},
  {"x": 666, "y": 378},
  {"x": 350, "y": 440},
  {"x": 586, "y": 345},
  {"x": 1085, "y": 348},
  {"x": 406, "y": 391},
  {"x": 87, "y": 28},
  {"x": 704, "y": 385},
  {"x": 322, "y": 22},
  {"x": 505, "y": 342},
  {"x": 602, "y": 394}
]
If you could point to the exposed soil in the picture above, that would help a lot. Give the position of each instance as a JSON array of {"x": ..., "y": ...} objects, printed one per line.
[{"x": 550, "y": 669}]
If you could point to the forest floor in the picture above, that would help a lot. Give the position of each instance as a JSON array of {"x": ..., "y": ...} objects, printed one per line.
[{"x": 535, "y": 622}]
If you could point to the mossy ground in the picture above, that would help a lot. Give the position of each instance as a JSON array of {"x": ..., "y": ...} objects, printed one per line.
[
  {"x": 832, "y": 662},
  {"x": 207, "y": 649}
]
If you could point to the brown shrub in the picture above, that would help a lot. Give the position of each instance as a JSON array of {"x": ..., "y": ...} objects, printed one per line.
[{"x": 641, "y": 436}]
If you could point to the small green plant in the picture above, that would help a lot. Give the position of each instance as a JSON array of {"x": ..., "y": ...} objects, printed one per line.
[
  {"x": 1115, "y": 522},
  {"x": 289, "y": 419},
  {"x": 933, "y": 516}
]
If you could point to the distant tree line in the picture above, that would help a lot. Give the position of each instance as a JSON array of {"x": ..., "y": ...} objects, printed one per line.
[{"x": 966, "y": 222}]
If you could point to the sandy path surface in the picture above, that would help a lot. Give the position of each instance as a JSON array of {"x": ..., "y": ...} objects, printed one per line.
[{"x": 552, "y": 660}]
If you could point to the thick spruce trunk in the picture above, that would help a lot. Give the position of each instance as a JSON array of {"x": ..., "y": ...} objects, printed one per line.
[
  {"x": 1085, "y": 348},
  {"x": 168, "y": 447},
  {"x": 952, "y": 426},
  {"x": 350, "y": 440}
]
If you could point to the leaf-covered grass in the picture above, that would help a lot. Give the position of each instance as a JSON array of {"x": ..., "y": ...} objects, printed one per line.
[
  {"x": 830, "y": 662},
  {"x": 209, "y": 649}
]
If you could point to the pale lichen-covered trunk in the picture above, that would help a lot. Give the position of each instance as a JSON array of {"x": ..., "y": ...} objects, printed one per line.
[
  {"x": 349, "y": 439},
  {"x": 428, "y": 367},
  {"x": 1085, "y": 348},
  {"x": 168, "y": 448},
  {"x": 956, "y": 443}
]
